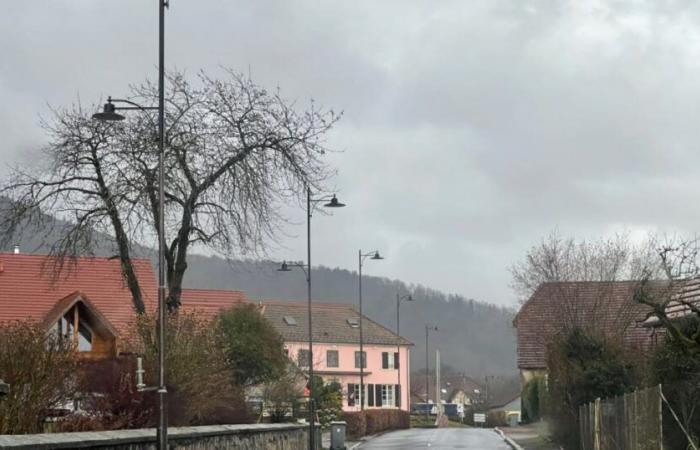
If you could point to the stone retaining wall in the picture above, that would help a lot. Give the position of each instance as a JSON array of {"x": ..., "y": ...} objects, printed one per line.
[{"x": 219, "y": 437}]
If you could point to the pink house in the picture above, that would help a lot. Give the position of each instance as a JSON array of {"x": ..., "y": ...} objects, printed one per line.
[{"x": 336, "y": 351}]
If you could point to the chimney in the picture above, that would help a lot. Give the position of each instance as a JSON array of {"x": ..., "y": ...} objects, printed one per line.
[{"x": 16, "y": 250}]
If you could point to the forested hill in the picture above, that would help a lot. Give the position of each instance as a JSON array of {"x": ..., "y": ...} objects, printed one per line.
[{"x": 473, "y": 336}]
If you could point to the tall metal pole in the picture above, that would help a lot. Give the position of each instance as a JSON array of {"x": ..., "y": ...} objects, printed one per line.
[
  {"x": 398, "y": 347},
  {"x": 427, "y": 369},
  {"x": 312, "y": 407},
  {"x": 162, "y": 391},
  {"x": 362, "y": 353}
]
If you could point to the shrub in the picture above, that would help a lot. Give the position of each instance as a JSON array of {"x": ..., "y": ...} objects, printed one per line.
[
  {"x": 372, "y": 421},
  {"x": 678, "y": 370},
  {"x": 534, "y": 399},
  {"x": 356, "y": 424},
  {"x": 40, "y": 368},
  {"x": 582, "y": 367},
  {"x": 201, "y": 389}
]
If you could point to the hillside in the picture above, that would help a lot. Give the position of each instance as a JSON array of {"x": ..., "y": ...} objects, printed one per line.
[{"x": 475, "y": 337}]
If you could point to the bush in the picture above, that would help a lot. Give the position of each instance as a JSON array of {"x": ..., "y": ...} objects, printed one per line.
[
  {"x": 356, "y": 424},
  {"x": 372, "y": 421},
  {"x": 582, "y": 367},
  {"x": 201, "y": 390},
  {"x": 40, "y": 368},
  {"x": 534, "y": 399},
  {"x": 678, "y": 370}
]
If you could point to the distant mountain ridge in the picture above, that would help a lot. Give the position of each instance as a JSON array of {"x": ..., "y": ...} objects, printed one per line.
[{"x": 474, "y": 337}]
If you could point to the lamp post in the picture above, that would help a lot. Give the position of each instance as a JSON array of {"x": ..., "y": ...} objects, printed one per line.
[
  {"x": 361, "y": 259},
  {"x": 428, "y": 328},
  {"x": 400, "y": 298},
  {"x": 109, "y": 114},
  {"x": 331, "y": 202}
]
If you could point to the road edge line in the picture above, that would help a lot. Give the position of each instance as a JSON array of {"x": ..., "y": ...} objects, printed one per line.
[{"x": 508, "y": 440}]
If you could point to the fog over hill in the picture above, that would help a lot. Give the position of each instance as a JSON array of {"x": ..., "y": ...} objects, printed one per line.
[{"x": 474, "y": 337}]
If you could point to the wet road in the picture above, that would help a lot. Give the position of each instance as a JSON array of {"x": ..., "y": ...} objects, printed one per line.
[{"x": 434, "y": 439}]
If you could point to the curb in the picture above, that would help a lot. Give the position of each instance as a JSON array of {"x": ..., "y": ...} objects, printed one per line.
[{"x": 514, "y": 445}]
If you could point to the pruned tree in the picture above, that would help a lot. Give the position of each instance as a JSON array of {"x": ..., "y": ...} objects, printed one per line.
[
  {"x": 679, "y": 301},
  {"x": 234, "y": 152}
]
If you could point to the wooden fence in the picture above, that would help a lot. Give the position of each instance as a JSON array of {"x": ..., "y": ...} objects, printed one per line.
[{"x": 629, "y": 422}]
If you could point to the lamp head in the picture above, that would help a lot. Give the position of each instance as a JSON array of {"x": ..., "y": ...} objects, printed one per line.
[
  {"x": 334, "y": 203},
  {"x": 409, "y": 298},
  {"x": 109, "y": 113},
  {"x": 284, "y": 267},
  {"x": 4, "y": 389},
  {"x": 377, "y": 256}
]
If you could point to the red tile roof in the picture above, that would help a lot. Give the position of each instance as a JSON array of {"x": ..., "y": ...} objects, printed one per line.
[
  {"x": 606, "y": 306},
  {"x": 209, "y": 302},
  {"x": 30, "y": 290}
]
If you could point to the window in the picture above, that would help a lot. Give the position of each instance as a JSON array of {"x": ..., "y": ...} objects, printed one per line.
[
  {"x": 354, "y": 395},
  {"x": 357, "y": 360},
  {"x": 390, "y": 360},
  {"x": 303, "y": 357},
  {"x": 65, "y": 327},
  {"x": 387, "y": 395},
  {"x": 289, "y": 320},
  {"x": 354, "y": 323},
  {"x": 332, "y": 358}
]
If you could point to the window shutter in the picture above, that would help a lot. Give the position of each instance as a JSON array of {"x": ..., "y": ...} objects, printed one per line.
[
  {"x": 378, "y": 387},
  {"x": 370, "y": 397},
  {"x": 351, "y": 395},
  {"x": 396, "y": 360},
  {"x": 397, "y": 395},
  {"x": 385, "y": 360}
]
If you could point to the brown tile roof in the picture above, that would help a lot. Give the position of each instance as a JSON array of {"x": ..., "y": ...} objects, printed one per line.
[
  {"x": 607, "y": 307},
  {"x": 684, "y": 292},
  {"x": 29, "y": 289},
  {"x": 330, "y": 324},
  {"x": 209, "y": 302}
]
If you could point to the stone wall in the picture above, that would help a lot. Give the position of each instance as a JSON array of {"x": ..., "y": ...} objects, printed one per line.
[{"x": 219, "y": 437}]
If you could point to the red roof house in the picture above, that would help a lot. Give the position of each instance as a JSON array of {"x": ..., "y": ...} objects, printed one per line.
[{"x": 88, "y": 295}]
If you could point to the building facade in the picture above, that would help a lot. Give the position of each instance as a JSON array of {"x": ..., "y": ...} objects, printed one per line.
[{"x": 336, "y": 352}]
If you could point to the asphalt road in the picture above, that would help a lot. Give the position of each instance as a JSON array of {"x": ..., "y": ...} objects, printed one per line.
[{"x": 438, "y": 438}]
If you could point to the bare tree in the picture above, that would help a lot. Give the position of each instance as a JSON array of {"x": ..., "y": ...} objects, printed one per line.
[
  {"x": 557, "y": 258},
  {"x": 679, "y": 300},
  {"x": 234, "y": 153}
]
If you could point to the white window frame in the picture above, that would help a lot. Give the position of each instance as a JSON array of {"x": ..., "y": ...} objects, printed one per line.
[{"x": 388, "y": 396}]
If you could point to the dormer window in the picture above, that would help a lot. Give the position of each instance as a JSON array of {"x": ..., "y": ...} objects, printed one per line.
[
  {"x": 353, "y": 322},
  {"x": 67, "y": 325}
]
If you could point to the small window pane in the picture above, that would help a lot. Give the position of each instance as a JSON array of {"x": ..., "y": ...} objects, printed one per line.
[
  {"x": 357, "y": 360},
  {"x": 332, "y": 358},
  {"x": 303, "y": 358}
]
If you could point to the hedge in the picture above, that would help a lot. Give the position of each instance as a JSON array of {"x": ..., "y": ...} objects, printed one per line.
[{"x": 374, "y": 421}]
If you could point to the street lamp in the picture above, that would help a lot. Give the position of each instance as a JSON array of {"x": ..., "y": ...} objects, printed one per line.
[
  {"x": 400, "y": 298},
  {"x": 109, "y": 114},
  {"x": 428, "y": 328},
  {"x": 375, "y": 256},
  {"x": 330, "y": 202}
]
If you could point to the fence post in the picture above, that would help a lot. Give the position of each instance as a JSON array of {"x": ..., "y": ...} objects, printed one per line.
[
  {"x": 661, "y": 418},
  {"x": 636, "y": 421},
  {"x": 596, "y": 418}
]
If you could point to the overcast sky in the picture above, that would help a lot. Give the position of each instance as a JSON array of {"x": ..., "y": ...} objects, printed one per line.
[{"x": 470, "y": 130}]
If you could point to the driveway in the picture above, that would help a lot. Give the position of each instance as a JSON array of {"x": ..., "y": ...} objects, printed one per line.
[{"x": 438, "y": 438}]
